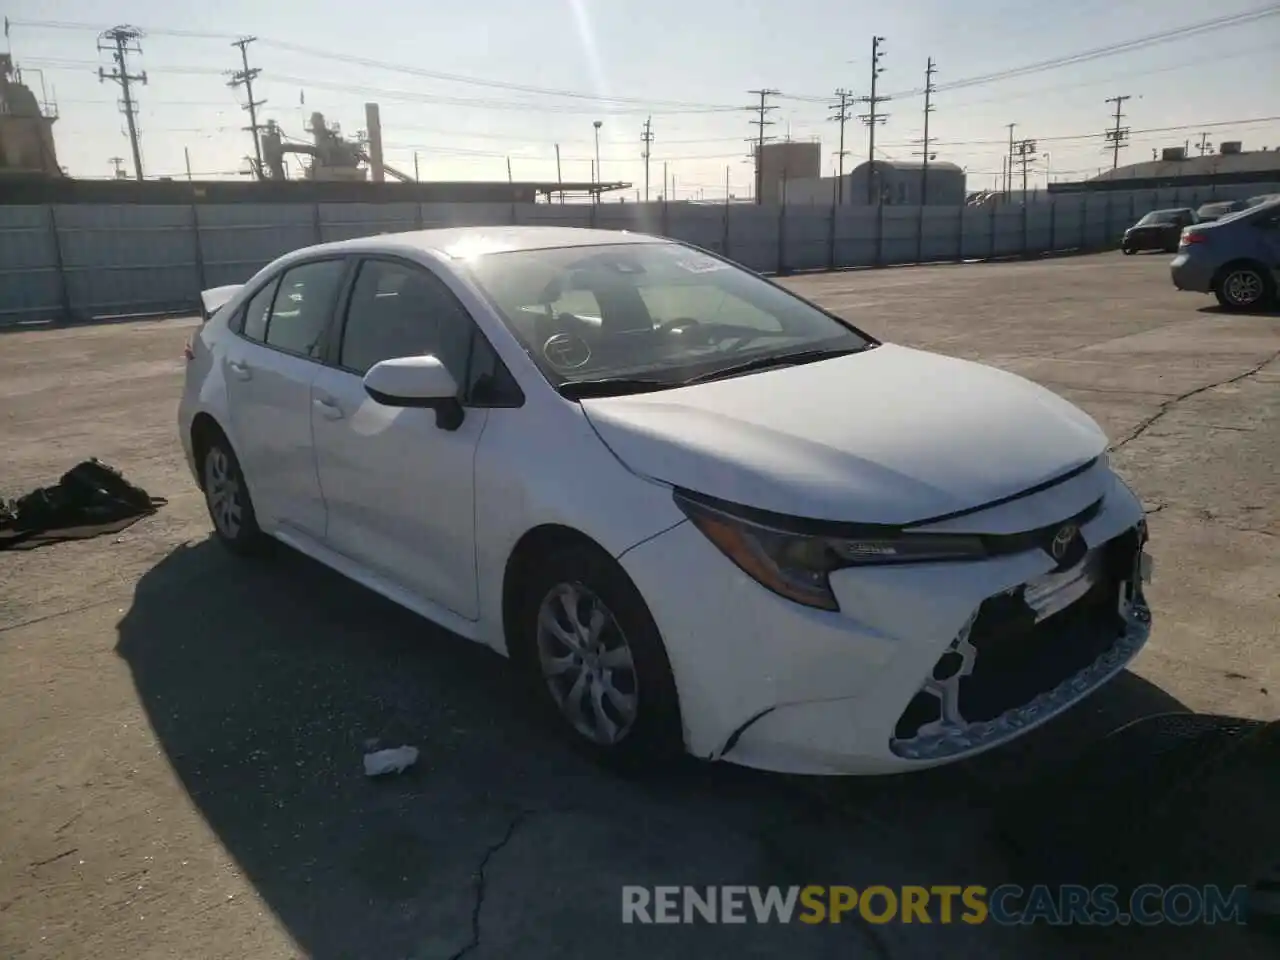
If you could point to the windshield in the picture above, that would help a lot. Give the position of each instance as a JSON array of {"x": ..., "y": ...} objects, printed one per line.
[
  {"x": 1159, "y": 216},
  {"x": 656, "y": 312}
]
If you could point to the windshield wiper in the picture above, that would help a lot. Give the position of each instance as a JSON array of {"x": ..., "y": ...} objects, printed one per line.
[
  {"x": 612, "y": 387},
  {"x": 775, "y": 360}
]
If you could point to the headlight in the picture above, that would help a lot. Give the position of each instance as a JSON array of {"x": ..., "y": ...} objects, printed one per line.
[{"x": 796, "y": 564}]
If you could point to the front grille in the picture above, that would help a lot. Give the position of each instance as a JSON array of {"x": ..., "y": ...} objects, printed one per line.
[{"x": 1012, "y": 658}]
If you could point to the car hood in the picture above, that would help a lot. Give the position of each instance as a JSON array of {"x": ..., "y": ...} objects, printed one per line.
[{"x": 891, "y": 435}]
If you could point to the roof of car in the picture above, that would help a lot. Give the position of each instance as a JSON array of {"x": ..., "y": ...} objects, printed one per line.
[{"x": 460, "y": 242}]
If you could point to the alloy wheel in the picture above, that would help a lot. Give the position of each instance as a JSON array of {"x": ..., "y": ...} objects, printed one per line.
[
  {"x": 1243, "y": 287},
  {"x": 222, "y": 491},
  {"x": 587, "y": 664}
]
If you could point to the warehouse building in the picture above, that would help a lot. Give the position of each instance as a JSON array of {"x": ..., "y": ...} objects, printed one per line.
[
  {"x": 1232, "y": 165},
  {"x": 887, "y": 182}
]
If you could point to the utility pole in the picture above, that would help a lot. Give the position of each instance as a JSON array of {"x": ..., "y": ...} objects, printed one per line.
[
  {"x": 244, "y": 78},
  {"x": 841, "y": 116},
  {"x": 1117, "y": 136},
  {"x": 646, "y": 137},
  {"x": 761, "y": 121},
  {"x": 872, "y": 117},
  {"x": 1026, "y": 151},
  {"x": 416, "y": 178},
  {"x": 122, "y": 41},
  {"x": 559, "y": 179},
  {"x": 186, "y": 155},
  {"x": 1008, "y": 169},
  {"x": 1204, "y": 146},
  {"x": 929, "y": 89}
]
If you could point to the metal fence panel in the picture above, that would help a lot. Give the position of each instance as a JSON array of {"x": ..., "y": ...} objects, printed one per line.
[
  {"x": 30, "y": 279},
  {"x": 121, "y": 259},
  {"x": 940, "y": 233},
  {"x": 344, "y": 221},
  {"x": 238, "y": 240},
  {"x": 855, "y": 234},
  {"x": 754, "y": 241}
]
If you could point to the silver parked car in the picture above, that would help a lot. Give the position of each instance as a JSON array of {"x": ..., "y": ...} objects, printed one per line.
[{"x": 1236, "y": 258}]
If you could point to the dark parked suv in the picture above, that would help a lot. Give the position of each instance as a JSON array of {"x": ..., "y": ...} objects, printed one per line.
[
  {"x": 1158, "y": 230},
  {"x": 1236, "y": 258}
]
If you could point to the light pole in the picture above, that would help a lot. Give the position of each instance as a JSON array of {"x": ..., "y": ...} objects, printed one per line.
[
  {"x": 597, "y": 124},
  {"x": 1048, "y": 170}
]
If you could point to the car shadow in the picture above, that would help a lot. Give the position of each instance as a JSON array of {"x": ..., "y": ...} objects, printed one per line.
[
  {"x": 265, "y": 682},
  {"x": 1267, "y": 311}
]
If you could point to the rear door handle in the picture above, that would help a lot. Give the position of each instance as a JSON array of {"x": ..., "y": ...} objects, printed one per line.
[
  {"x": 241, "y": 371},
  {"x": 328, "y": 409}
]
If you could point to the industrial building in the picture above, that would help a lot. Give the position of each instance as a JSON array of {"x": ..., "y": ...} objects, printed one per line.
[
  {"x": 782, "y": 163},
  {"x": 887, "y": 182},
  {"x": 26, "y": 128},
  {"x": 1231, "y": 165},
  {"x": 328, "y": 168}
]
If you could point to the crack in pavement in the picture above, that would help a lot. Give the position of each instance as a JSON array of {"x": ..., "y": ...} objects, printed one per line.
[
  {"x": 1168, "y": 405},
  {"x": 480, "y": 880}
]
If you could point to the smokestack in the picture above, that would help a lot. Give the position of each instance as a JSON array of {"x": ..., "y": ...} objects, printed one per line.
[{"x": 373, "y": 126}]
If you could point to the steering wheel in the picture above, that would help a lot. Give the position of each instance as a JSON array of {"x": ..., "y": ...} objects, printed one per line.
[{"x": 565, "y": 351}]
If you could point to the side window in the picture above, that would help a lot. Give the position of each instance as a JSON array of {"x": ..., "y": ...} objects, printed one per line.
[
  {"x": 254, "y": 324},
  {"x": 303, "y": 305},
  {"x": 399, "y": 310},
  {"x": 490, "y": 383}
]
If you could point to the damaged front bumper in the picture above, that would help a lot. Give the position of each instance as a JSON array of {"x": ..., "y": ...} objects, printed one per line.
[
  {"x": 767, "y": 683},
  {"x": 1031, "y": 653}
]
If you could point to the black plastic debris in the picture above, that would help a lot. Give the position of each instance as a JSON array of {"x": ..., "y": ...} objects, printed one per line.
[{"x": 91, "y": 499}]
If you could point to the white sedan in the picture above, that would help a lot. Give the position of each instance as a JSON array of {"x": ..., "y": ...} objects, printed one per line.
[{"x": 698, "y": 512}]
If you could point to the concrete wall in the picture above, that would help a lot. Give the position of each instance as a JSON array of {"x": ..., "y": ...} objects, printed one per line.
[{"x": 78, "y": 262}]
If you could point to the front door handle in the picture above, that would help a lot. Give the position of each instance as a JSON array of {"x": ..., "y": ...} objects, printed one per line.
[
  {"x": 240, "y": 370},
  {"x": 328, "y": 409}
]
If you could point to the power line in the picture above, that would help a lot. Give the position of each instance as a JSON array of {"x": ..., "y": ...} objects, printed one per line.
[
  {"x": 761, "y": 121},
  {"x": 122, "y": 41},
  {"x": 1126, "y": 46},
  {"x": 842, "y": 117},
  {"x": 244, "y": 78},
  {"x": 1117, "y": 136},
  {"x": 646, "y": 138},
  {"x": 872, "y": 116},
  {"x": 930, "y": 70}
]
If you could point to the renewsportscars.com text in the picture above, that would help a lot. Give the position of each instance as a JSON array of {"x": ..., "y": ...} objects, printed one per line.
[{"x": 1007, "y": 905}]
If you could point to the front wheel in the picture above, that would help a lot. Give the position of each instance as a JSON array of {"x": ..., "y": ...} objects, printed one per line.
[
  {"x": 1243, "y": 288},
  {"x": 591, "y": 655},
  {"x": 1126, "y": 249}
]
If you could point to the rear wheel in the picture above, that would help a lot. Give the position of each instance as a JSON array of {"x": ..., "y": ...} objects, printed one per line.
[
  {"x": 227, "y": 497},
  {"x": 592, "y": 658},
  {"x": 1243, "y": 287}
]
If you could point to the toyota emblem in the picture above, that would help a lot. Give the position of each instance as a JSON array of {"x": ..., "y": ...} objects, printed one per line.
[{"x": 1062, "y": 540}]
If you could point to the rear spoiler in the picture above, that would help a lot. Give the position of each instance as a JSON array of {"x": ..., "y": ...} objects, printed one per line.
[{"x": 211, "y": 300}]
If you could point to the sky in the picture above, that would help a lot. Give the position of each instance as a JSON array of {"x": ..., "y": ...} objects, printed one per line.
[{"x": 465, "y": 89}]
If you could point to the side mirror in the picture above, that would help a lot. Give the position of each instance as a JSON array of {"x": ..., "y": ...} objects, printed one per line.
[{"x": 416, "y": 382}]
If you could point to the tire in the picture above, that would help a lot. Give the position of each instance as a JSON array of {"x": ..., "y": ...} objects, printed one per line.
[
  {"x": 226, "y": 496},
  {"x": 614, "y": 697},
  {"x": 1127, "y": 250},
  {"x": 1243, "y": 287}
]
